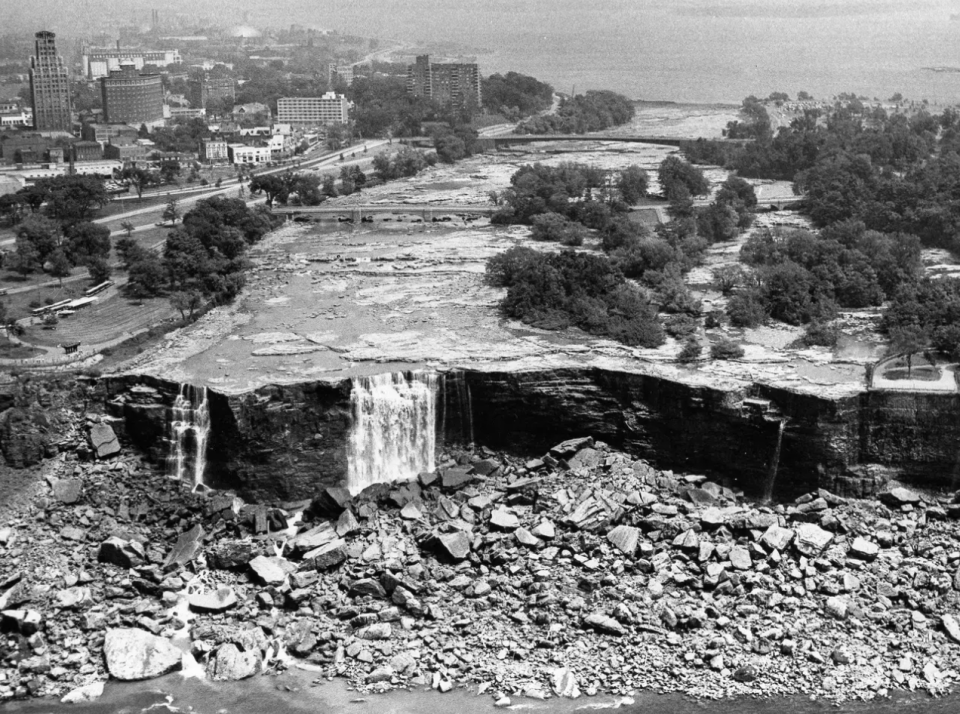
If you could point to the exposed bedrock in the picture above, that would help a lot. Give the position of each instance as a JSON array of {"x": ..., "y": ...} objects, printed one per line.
[{"x": 288, "y": 442}]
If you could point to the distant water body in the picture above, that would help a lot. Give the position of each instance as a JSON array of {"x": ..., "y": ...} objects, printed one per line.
[{"x": 685, "y": 50}]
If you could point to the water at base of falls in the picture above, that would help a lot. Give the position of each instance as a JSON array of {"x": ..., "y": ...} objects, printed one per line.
[
  {"x": 189, "y": 432},
  {"x": 394, "y": 434}
]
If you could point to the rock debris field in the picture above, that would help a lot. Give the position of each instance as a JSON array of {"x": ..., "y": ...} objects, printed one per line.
[{"x": 577, "y": 573}]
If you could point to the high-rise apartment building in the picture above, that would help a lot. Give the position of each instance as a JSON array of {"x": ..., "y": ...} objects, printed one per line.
[
  {"x": 327, "y": 110},
  {"x": 50, "y": 86},
  {"x": 453, "y": 83},
  {"x": 132, "y": 98},
  {"x": 205, "y": 88}
]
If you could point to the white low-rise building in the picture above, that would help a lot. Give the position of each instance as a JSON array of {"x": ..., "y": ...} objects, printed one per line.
[{"x": 243, "y": 154}]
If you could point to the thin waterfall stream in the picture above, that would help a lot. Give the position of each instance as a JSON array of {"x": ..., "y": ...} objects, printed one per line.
[
  {"x": 190, "y": 431},
  {"x": 774, "y": 462}
]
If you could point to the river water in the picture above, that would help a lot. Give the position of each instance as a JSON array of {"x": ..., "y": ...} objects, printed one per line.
[{"x": 295, "y": 693}]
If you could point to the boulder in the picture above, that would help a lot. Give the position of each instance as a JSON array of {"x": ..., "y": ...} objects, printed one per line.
[
  {"x": 331, "y": 502},
  {"x": 864, "y": 549},
  {"x": 367, "y": 586},
  {"x": 377, "y": 631},
  {"x": 811, "y": 539},
  {"x": 837, "y": 607},
  {"x": 899, "y": 496},
  {"x": 120, "y": 552},
  {"x": 951, "y": 626},
  {"x": 626, "y": 538},
  {"x": 564, "y": 683},
  {"x": 777, "y": 538},
  {"x": 525, "y": 537},
  {"x": 185, "y": 548},
  {"x": 456, "y": 545},
  {"x": 602, "y": 623},
  {"x": 455, "y": 478},
  {"x": 84, "y": 694},
  {"x": 485, "y": 467},
  {"x": 566, "y": 449},
  {"x": 268, "y": 571},
  {"x": 545, "y": 530},
  {"x": 347, "y": 524},
  {"x": 411, "y": 512},
  {"x": 104, "y": 440},
  {"x": 313, "y": 538},
  {"x": 504, "y": 520},
  {"x": 747, "y": 673},
  {"x": 229, "y": 664},
  {"x": 133, "y": 654},
  {"x": 231, "y": 555},
  {"x": 327, "y": 555},
  {"x": 68, "y": 490},
  {"x": 75, "y": 598},
  {"x": 740, "y": 558},
  {"x": 213, "y": 601}
]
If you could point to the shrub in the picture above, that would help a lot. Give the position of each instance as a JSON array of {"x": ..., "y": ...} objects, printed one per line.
[
  {"x": 820, "y": 334},
  {"x": 34, "y": 304},
  {"x": 680, "y": 326},
  {"x": 691, "y": 351},
  {"x": 726, "y": 348},
  {"x": 713, "y": 319}
]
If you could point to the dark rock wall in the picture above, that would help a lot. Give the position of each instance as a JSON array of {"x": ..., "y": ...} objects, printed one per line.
[{"x": 287, "y": 442}]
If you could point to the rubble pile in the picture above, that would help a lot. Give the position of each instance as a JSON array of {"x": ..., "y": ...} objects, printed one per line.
[{"x": 577, "y": 573}]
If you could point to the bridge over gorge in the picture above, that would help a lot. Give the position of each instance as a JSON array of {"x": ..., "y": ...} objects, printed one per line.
[
  {"x": 430, "y": 212},
  {"x": 501, "y": 140},
  {"x": 357, "y": 212}
]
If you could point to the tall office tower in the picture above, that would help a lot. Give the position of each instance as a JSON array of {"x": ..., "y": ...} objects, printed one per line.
[{"x": 50, "y": 86}]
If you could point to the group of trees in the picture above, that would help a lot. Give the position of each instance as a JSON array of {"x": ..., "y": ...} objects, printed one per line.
[
  {"x": 593, "y": 111},
  {"x": 302, "y": 189},
  {"x": 568, "y": 202},
  {"x": 203, "y": 259},
  {"x": 557, "y": 290},
  {"x": 54, "y": 232},
  {"x": 515, "y": 96},
  {"x": 925, "y": 315},
  {"x": 801, "y": 277},
  {"x": 578, "y": 192}
]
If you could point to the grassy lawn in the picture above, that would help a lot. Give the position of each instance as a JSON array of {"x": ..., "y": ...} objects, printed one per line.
[
  {"x": 104, "y": 320},
  {"x": 18, "y": 304},
  {"x": 12, "y": 350}
]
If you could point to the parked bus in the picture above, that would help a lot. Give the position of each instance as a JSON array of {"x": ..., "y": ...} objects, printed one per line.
[
  {"x": 40, "y": 311},
  {"x": 97, "y": 289}
]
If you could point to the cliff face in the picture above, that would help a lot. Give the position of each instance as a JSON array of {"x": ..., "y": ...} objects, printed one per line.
[{"x": 288, "y": 442}]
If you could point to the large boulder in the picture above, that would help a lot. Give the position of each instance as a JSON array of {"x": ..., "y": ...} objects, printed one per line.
[
  {"x": 185, "y": 548},
  {"x": 230, "y": 664},
  {"x": 811, "y": 539},
  {"x": 120, "y": 552},
  {"x": 104, "y": 440},
  {"x": 625, "y": 538},
  {"x": 213, "y": 600},
  {"x": 133, "y": 654}
]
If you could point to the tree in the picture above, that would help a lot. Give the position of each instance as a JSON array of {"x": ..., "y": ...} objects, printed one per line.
[
  {"x": 147, "y": 277},
  {"x": 632, "y": 184},
  {"x": 728, "y": 278},
  {"x": 276, "y": 188},
  {"x": 128, "y": 228},
  {"x": 59, "y": 265},
  {"x": 140, "y": 178},
  {"x": 171, "y": 212},
  {"x": 907, "y": 340},
  {"x": 87, "y": 240},
  {"x": 187, "y": 302},
  {"x": 43, "y": 233},
  {"x": 26, "y": 257},
  {"x": 71, "y": 199},
  {"x": 99, "y": 269},
  {"x": 675, "y": 174},
  {"x": 169, "y": 170}
]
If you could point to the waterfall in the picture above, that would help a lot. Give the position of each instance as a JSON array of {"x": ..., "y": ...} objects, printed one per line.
[
  {"x": 394, "y": 434},
  {"x": 189, "y": 432},
  {"x": 457, "y": 407},
  {"x": 774, "y": 462}
]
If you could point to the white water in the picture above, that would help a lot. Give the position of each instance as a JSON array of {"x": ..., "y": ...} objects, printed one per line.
[
  {"x": 394, "y": 435},
  {"x": 190, "y": 429}
]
